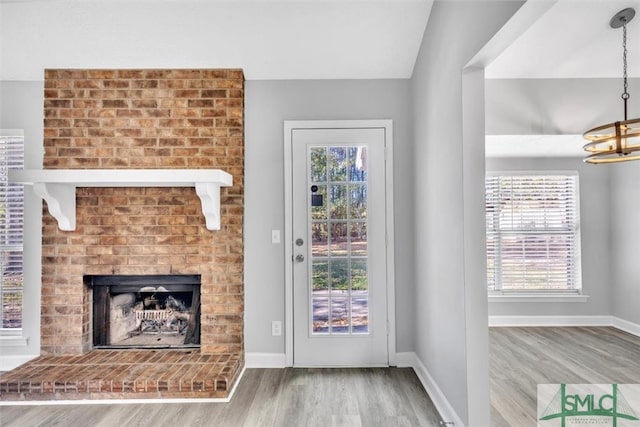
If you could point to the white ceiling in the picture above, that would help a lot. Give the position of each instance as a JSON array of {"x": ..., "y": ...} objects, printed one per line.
[
  {"x": 572, "y": 40},
  {"x": 293, "y": 39},
  {"x": 269, "y": 39}
]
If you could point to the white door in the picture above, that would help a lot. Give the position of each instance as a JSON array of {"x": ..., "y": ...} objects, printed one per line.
[{"x": 339, "y": 270}]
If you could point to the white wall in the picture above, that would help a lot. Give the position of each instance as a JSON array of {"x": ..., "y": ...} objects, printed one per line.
[
  {"x": 594, "y": 184},
  {"x": 455, "y": 32},
  {"x": 268, "y": 104}
]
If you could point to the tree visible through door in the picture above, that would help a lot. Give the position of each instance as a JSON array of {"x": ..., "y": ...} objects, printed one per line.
[{"x": 339, "y": 274}]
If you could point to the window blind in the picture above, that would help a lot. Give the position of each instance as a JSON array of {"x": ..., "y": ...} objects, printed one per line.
[
  {"x": 533, "y": 233},
  {"x": 11, "y": 232}
]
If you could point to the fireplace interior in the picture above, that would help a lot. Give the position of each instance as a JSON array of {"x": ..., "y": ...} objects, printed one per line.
[{"x": 151, "y": 311}]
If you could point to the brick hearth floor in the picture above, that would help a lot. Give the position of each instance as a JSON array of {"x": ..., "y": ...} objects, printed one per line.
[{"x": 123, "y": 374}]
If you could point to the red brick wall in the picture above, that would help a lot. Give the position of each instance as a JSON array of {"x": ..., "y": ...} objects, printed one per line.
[{"x": 144, "y": 119}]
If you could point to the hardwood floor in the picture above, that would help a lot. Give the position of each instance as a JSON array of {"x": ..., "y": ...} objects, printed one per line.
[
  {"x": 265, "y": 397},
  {"x": 522, "y": 358}
]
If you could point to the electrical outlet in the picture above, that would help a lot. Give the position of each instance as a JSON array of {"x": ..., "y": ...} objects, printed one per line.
[
  {"x": 275, "y": 236},
  {"x": 276, "y": 328}
]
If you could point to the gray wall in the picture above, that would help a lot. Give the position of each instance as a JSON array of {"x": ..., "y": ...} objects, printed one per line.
[
  {"x": 625, "y": 240},
  {"x": 596, "y": 250},
  {"x": 456, "y": 31},
  {"x": 268, "y": 104},
  {"x": 21, "y": 107},
  {"x": 610, "y": 194}
]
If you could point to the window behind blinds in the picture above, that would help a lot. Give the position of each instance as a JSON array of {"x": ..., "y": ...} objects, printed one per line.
[
  {"x": 533, "y": 234},
  {"x": 11, "y": 230}
]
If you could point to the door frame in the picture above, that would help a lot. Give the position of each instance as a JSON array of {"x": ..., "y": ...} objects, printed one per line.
[{"x": 289, "y": 127}]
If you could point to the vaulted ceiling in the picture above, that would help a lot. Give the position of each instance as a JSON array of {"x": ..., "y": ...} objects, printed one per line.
[{"x": 293, "y": 39}]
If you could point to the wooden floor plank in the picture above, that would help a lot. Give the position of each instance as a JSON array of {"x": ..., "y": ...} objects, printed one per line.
[
  {"x": 265, "y": 397},
  {"x": 522, "y": 358}
]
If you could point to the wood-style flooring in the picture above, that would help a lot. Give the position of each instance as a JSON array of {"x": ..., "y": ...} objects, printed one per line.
[
  {"x": 382, "y": 397},
  {"x": 522, "y": 358}
]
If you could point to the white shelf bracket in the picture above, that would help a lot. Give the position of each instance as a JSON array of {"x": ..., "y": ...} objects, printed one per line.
[
  {"x": 61, "y": 202},
  {"x": 210, "y": 198}
]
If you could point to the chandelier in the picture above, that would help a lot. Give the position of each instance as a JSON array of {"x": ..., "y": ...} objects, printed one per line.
[{"x": 618, "y": 141}]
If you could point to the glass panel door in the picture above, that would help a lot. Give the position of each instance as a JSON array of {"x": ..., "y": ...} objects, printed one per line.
[{"x": 338, "y": 247}]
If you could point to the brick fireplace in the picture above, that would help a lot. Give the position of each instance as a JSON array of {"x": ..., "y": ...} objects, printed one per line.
[{"x": 144, "y": 119}]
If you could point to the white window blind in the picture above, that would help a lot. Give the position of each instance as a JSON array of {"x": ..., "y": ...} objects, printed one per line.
[
  {"x": 11, "y": 231},
  {"x": 533, "y": 233}
]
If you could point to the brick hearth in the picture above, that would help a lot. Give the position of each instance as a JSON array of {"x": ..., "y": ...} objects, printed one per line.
[
  {"x": 130, "y": 374},
  {"x": 140, "y": 119}
]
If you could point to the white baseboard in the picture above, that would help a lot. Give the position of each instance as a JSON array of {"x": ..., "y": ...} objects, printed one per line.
[
  {"x": 8, "y": 363},
  {"x": 411, "y": 360},
  {"x": 522, "y": 321},
  {"x": 405, "y": 360},
  {"x": 626, "y": 326},
  {"x": 265, "y": 360},
  {"x": 550, "y": 321}
]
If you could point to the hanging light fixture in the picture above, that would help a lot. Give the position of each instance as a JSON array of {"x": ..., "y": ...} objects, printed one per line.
[{"x": 619, "y": 141}]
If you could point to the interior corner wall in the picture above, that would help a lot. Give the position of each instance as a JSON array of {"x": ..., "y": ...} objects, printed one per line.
[
  {"x": 610, "y": 269},
  {"x": 594, "y": 183},
  {"x": 267, "y": 105},
  {"x": 441, "y": 335},
  {"x": 625, "y": 240}
]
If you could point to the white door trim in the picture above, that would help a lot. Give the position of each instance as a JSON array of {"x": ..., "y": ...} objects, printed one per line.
[{"x": 289, "y": 126}]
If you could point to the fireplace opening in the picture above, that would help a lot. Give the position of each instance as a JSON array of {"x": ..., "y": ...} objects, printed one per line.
[{"x": 151, "y": 311}]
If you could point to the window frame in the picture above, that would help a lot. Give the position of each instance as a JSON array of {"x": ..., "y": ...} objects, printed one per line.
[
  {"x": 13, "y": 162},
  {"x": 573, "y": 294}
]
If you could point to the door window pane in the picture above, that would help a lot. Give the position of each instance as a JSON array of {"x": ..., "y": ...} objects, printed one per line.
[
  {"x": 338, "y": 201},
  {"x": 319, "y": 239},
  {"x": 318, "y": 164},
  {"x": 320, "y": 315},
  {"x": 337, "y": 164},
  {"x": 339, "y": 274},
  {"x": 320, "y": 276},
  {"x": 339, "y": 315},
  {"x": 339, "y": 239},
  {"x": 360, "y": 315},
  {"x": 358, "y": 239},
  {"x": 338, "y": 221}
]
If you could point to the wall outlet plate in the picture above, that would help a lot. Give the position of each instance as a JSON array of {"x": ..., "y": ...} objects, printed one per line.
[{"x": 276, "y": 328}]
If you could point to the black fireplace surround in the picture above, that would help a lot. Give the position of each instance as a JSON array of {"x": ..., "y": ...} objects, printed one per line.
[{"x": 145, "y": 311}]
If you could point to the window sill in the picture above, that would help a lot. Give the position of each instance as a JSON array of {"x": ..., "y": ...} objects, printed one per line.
[
  {"x": 10, "y": 339},
  {"x": 538, "y": 298}
]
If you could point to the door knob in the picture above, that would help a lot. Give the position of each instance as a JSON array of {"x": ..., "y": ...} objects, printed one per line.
[{"x": 299, "y": 258}]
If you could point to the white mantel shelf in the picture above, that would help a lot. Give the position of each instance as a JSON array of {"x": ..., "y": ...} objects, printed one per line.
[{"x": 58, "y": 187}]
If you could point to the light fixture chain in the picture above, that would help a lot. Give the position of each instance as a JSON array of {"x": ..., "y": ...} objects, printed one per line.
[{"x": 625, "y": 94}]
